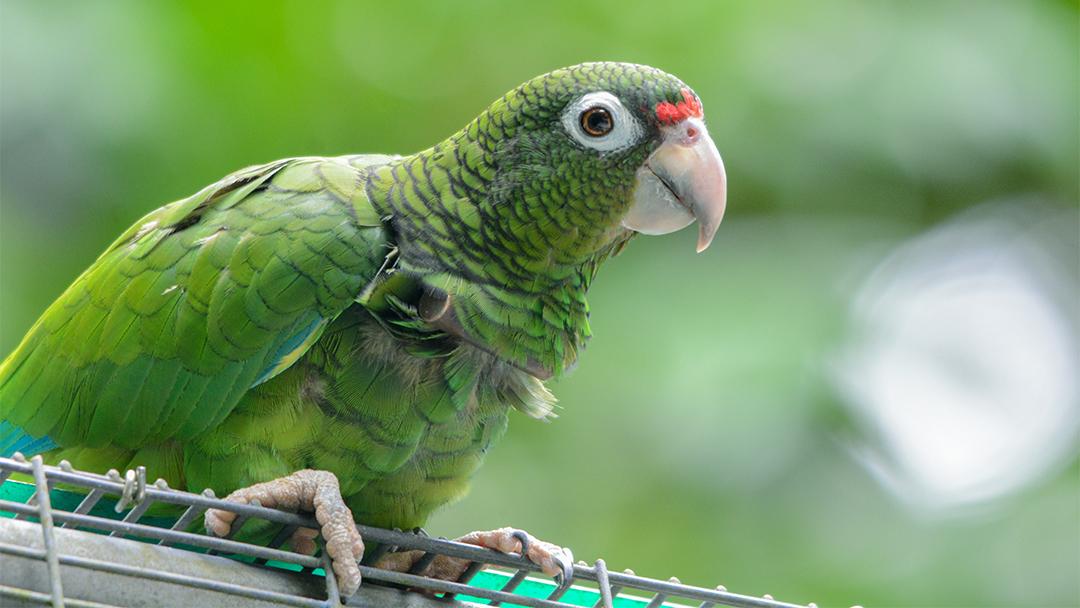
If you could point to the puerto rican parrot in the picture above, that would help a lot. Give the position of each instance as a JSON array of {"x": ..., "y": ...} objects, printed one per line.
[{"x": 348, "y": 335}]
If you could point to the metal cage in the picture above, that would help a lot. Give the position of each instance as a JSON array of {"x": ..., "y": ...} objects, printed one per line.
[{"x": 90, "y": 543}]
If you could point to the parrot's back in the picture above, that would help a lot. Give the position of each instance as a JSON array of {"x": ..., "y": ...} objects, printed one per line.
[{"x": 191, "y": 307}]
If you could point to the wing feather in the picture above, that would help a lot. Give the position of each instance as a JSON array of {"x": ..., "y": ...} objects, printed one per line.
[{"x": 192, "y": 306}]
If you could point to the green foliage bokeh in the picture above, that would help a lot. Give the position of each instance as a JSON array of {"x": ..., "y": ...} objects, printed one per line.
[{"x": 698, "y": 437}]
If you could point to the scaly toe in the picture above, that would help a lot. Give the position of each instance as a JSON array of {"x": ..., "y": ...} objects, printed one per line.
[{"x": 218, "y": 522}]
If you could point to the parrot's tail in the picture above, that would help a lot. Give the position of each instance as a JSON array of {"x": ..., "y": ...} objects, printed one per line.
[{"x": 14, "y": 439}]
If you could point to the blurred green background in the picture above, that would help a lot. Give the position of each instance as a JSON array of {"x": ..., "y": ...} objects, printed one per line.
[{"x": 864, "y": 392}]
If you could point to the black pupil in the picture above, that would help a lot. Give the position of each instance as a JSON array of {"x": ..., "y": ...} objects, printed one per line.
[{"x": 596, "y": 121}]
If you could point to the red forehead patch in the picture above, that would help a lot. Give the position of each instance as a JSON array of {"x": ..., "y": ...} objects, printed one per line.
[{"x": 670, "y": 113}]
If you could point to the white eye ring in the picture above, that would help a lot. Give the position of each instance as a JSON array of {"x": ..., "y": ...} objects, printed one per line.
[{"x": 624, "y": 132}]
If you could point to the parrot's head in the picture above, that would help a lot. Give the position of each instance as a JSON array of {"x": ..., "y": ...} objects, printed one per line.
[
  {"x": 619, "y": 147},
  {"x": 507, "y": 221}
]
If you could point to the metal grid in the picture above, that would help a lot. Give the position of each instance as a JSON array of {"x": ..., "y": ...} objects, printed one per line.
[{"x": 589, "y": 585}]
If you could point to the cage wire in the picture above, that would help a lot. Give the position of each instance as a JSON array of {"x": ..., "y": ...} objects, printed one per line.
[{"x": 90, "y": 543}]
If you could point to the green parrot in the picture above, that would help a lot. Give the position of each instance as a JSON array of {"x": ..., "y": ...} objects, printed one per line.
[{"x": 348, "y": 335}]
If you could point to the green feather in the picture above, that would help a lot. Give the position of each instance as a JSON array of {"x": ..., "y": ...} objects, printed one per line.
[{"x": 161, "y": 309}]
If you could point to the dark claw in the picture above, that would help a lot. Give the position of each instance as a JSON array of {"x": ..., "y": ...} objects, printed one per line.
[
  {"x": 565, "y": 578},
  {"x": 523, "y": 538}
]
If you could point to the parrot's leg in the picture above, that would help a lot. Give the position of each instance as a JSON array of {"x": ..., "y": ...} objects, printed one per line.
[
  {"x": 554, "y": 560},
  {"x": 306, "y": 490}
]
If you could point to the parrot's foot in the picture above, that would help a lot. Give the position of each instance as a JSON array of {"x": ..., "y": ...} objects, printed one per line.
[
  {"x": 306, "y": 490},
  {"x": 303, "y": 541},
  {"x": 555, "y": 561}
]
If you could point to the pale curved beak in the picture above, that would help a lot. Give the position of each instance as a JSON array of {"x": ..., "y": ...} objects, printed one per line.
[{"x": 683, "y": 180}]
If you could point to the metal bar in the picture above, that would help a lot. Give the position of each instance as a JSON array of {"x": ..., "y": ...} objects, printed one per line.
[
  {"x": 380, "y": 550},
  {"x": 181, "y": 524},
  {"x": 233, "y": 529},
  {"x": 685, "y": 591},
  {"x": 87, "y": 503},
  {"x": 512, "y": 584},
  {"x": 30, "y": 501},
  {"x": 421, "y": 564},
  {"x": 470, "y": 572},
  {"x": 558, "y": 592},
  {"x": 168, "y": 577},
  {"x": 282, "y": 536},
  {"x": 466, "y": 576},
  {"x": 279, "y": 539},
  {"x": 134, "y": 514},
  {"x": 333, "y": 596},
  {"x": 170, "y": 496},
  {"x": 45, "y": 516},
  {"x": 311, "y": 569},
  {"x": 441, "y": 586},
  {"x": 98, "y": 486},
  {"x": 43, "y": 598},
  {"x": 206, "y": 542},
  {"x": 603, "y": 583},
  {"x": 614, "y": 593},
  {"x": 721, "y": 588}
]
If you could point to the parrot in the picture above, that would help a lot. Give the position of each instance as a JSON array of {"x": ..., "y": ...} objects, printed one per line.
[{"x": 347, "y": 335}]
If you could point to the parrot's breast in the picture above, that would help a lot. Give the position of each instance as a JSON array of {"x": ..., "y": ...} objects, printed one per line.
[{"x": 402, "y": 437}]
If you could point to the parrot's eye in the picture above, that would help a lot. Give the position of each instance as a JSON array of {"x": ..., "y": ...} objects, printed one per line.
[{"x": 597, "y": 121}]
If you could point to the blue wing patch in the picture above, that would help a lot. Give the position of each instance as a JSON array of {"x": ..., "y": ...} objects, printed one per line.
[
  {"x": 292, "y": 350},
  {"x": 14, "y": 439}
]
